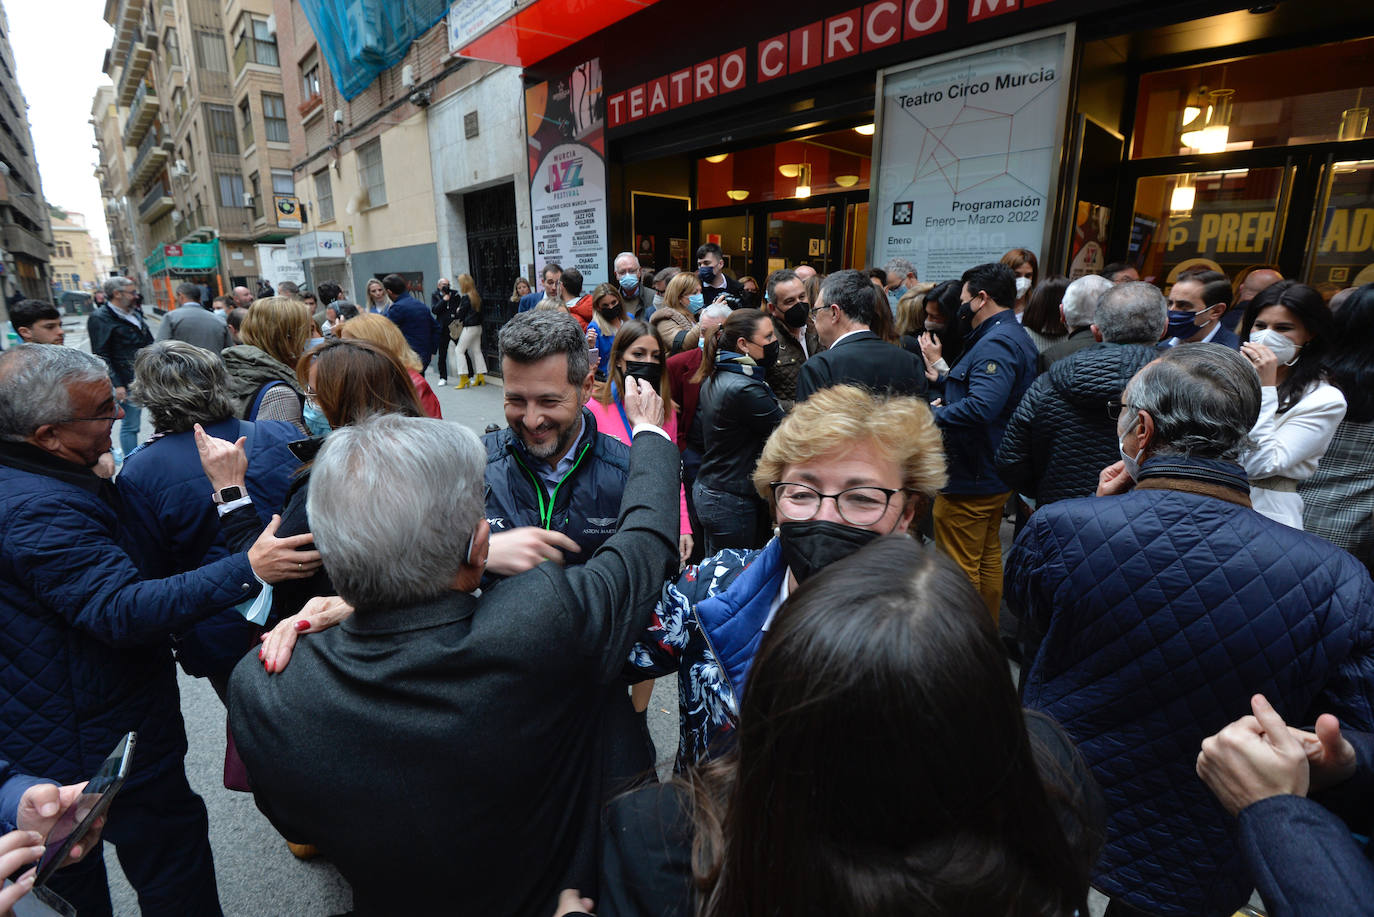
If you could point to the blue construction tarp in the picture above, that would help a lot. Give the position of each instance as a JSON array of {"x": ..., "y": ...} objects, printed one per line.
[{"x": 361, "y": 38}]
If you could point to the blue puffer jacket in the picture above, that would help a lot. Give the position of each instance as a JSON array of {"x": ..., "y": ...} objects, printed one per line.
[
  {"x": 83, "y": 637},
  {"x": 585, "y": 504},
  {"x": 1164, "y": 610},
  {"x": 170, "y": 514},
  {"x": 980, "y": 393},
  {"x": 707, "y": 627}
]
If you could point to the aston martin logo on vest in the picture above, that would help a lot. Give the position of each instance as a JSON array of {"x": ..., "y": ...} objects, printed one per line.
[{"x": 602, "y": 522}]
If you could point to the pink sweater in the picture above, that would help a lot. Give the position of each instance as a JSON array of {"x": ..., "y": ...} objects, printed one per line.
[{"x": 609, "y": 421}]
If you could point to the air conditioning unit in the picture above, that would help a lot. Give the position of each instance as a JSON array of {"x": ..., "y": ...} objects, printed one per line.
[
  {"x": 248, "y": 198},
  {"x": 272, "y": 24},
  {"x": 408, "y": 76},
  {"x": 180, "y": 169}
]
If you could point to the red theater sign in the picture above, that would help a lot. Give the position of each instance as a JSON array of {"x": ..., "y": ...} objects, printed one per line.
[{"x": 844, "y": 35}]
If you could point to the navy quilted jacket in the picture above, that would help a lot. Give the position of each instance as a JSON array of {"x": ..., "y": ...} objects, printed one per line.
[
  {"x": 84, "y": 655},
  {"x": 1163, "y": 612},
  {"x": 585, "y": 504},
  {"x": 1062, "y": 435},
  {"x": 169, "y": 512}
]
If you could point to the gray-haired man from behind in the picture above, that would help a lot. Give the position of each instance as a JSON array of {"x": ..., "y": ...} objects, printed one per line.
[
  {"x": 1078, "y": 307},
  {"x": 1165, "y": 604},
  {"x": 1061, "y": 434},
  {"x": 494, "y": 704},
  {"x": 193, "y": 323}
]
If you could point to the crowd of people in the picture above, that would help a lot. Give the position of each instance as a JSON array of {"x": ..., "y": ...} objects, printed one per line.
[{"x": 792, "y": 497}]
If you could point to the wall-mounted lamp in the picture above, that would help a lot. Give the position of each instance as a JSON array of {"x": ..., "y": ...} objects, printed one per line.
[
  {"x": 719, "y": 157},
  {"x": 846, "y": 181},
  {"x": 736, "y": 194},
  {"x": 865, "y": 129},
  {"x": 789, "y": 169}
]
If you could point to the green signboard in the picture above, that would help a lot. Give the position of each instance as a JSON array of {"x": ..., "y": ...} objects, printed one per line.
[{"x": 187, "y": 258}]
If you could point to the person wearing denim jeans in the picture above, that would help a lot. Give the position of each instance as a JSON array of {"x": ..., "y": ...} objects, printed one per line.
[{"x": 117, "y": 332}]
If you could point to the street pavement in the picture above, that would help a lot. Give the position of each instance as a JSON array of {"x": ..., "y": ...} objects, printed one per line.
[{"x": 257, "y": 874}]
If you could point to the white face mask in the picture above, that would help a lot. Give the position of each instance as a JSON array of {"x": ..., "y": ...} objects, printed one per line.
[
  {"x": 1022, "y": 286},
  {"x": 1285, "y": 350},
  {"x": 1132, "y": 462}
]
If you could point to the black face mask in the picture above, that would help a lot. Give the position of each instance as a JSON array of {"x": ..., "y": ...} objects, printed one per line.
[
  {"x": 770, "y": 354},
  {"x": 614, "y": 312},
  {"x": 809, "y": 547},
  {"x": 795, "y": 316},
  {"x": 748, "y": 300},
  {"x": 651, "y": 373}
]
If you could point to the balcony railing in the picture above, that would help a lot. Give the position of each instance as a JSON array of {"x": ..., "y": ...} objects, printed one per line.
[
  {"x": 155, "y": 203},
  {"x": 153, "y": 153},
  {"x": 142, "y": 114},
  {"x": 136, "y": 61}
]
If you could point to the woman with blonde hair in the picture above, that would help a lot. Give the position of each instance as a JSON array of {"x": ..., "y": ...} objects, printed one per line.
[
  {"x": 262, "y": 375},
  {"x": 469, "y": 316},
  {"x": 383, "y": 332},
  {"x": 522, "y": 289},
  {"x": 608, "y": 307},
  {"x": 377, "y": 300},
  {"x": 676, "y": 315}
]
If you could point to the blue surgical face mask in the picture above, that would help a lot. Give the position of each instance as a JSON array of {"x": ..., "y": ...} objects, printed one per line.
[
  {"x": 1183, "y": 324},
  {"x": 695, "y": 302},
  {"x": 1132, "y": 461},
  {"x": 894, "y": 297},
  {"x": 629, "y": 282},
  {"x": 314, "y": 418}
]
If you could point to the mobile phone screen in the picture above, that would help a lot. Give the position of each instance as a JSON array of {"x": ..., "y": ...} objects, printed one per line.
[{"x": 73, "y": 824}]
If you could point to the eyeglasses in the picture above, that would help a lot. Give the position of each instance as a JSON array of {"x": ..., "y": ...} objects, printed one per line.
[
  {"x": 856, "y": 505},
  {"x": 1114, "y": 409},
  {"x": 815, "y": 309},
  {"x": 89, "y": 419}
]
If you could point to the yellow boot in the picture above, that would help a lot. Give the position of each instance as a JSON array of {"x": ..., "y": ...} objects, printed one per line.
[
  {"x": 479, "y": 379},
  {"x": 462, "y": 382}
]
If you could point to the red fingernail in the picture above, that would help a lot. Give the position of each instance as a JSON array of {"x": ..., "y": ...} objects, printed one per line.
[
  {"x": 260, "y": 649},
  {"x": 302, "y": 625}
]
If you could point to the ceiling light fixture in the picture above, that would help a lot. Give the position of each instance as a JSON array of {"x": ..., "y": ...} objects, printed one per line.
[
  {"x": 865, "y": 129},
  {"x": 789, "y": 169},
  {"x": 719, "y": 157},
  {"x": 804, "y": 180},
  {"x": 846, "y": 181},
  {"x": 1183, "y": 196},
  {"x": 736, "y": 194}
]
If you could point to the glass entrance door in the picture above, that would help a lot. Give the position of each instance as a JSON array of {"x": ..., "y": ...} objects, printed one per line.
[
  {"x": 1341, "y": 250},
  {"x": 794, "y": 237}
]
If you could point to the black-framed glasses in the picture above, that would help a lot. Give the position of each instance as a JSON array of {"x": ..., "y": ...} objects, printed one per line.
[
  {"x": 1114, "y": 409},
  {"x": 111, "y": 419},
  {"x": 816, "y": 309},
  {"x": 856, "y": 505}
]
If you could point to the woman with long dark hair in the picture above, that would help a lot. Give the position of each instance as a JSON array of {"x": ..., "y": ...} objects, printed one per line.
[
  {"x": 1286, "y": 333},
  {"x": 1338, "y": 501},
  {"x": 942, "y": 342},
  {"x": 1026, "y": 267},
  {"x": 737, "y": 410},
  {"x": 638, "y": 351},
  {"x": 1042, "y": 319},
  {"x": 884, "y": 767}
]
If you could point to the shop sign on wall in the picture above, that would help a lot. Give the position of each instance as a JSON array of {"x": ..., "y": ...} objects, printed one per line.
[
  {"x": 566, "y": 133},
  {"x": 969, "y": 154}
]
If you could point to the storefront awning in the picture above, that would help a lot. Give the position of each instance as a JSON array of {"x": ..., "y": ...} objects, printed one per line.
[{"x": 490, "y": 30}]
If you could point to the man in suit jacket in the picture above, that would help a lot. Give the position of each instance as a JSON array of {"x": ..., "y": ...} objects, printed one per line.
[
  {"x": 854, "y": 354},
  {"x": 548, "y": 288},
  {"x": 193, "y": 323},
  {"x": 412, "y": 317},
  {"x": 460, "y": 734},
  {"x": 1197, "y": 303},
  {"x": 785, "y": 300}
]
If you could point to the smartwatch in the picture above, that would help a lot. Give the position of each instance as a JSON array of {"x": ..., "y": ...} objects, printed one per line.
[{"x": 228, "y": 494}]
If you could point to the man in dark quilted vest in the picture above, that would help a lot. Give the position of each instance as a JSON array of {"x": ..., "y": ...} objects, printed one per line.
[{"x": 1165, "y": 603}]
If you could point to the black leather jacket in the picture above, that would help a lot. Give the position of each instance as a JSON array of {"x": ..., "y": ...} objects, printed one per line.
[
  {"x": 737, "y": 412},
  {"x": 115, "y": 340}
]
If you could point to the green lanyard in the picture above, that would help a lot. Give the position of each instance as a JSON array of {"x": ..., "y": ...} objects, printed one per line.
[{"x": 546, "y": 507}]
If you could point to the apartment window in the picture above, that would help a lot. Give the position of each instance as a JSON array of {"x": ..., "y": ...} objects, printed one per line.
[
  {"x": 223, "y": 134},
  {"x": 370, "y": 172},
  {"x": 261, "y": 44},
  {"x": 274, "y": 117},
  {"x": 324, "y": 196},
  {"x": 230, "y": 189},
  {"x": 283, "y": 182},
  {"x": 246, "y": 123},
  {"x": 310, "y": 80},
  {"x": 256, "y": 188},
  {"x": 210, "y": 51},
  {"x": 171, "y": 48}
]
